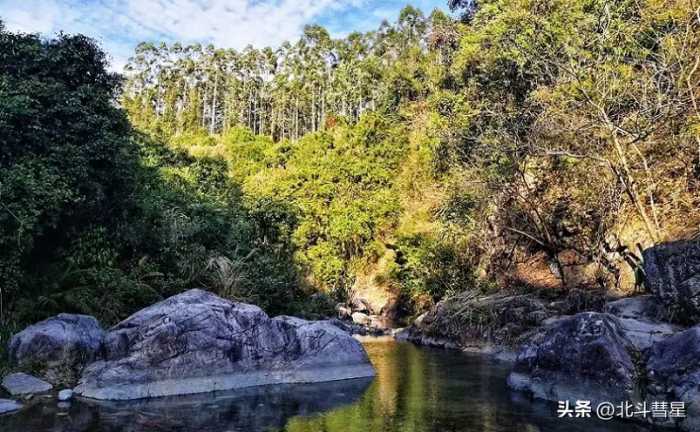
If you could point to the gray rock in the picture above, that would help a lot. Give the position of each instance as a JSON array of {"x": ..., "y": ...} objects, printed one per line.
[
  {"x": 263, "y": 408},
  {"x": 468, "y": 319},
  {"x": 644, "y": 307},
  {"x": 360, "y": 305},
  {"x": 196, "y": 342},
  {"x": 59, "y": 346},
  {"x": 344, "y": 312},
  {"x": 18, "y": 384},
  {"x": 356, "y": 329},
  {"x": 418, "y": 322},
  {"x": 586, "y": 356},
  {"x": 415, "y": 336},
  {"x": 65, "y": 395},
  {"x": 361, "y": 319},
  {"x": 673, "y": 374},
  {"x": 672, "y": 272},
  {"x": 8, "y": 405},
  {"x": 644, "y": 334}
]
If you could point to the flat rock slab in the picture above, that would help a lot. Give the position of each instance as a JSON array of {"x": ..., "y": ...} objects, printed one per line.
[
  {"x": 644, "y": 307},
  {"x": 19, "y": 384},
  {"x": 196, "y": 342},
  {"x": 644, "y": 334},
  {"x": 8, "y": 406}
]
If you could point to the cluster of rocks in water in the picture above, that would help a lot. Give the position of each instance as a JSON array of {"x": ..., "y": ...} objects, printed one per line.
[
  {"x": 637, "y": 349},
  {"x": 194, "y": 342}
]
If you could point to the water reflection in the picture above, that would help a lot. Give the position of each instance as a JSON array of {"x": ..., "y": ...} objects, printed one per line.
[
  {"x": 424, "y": 390},
  {"x": 416, "y": 390},
  {"x": 254, "y": 409}
]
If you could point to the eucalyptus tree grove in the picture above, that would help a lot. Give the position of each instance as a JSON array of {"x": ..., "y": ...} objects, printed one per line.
[{"x": 283, "y": 92}]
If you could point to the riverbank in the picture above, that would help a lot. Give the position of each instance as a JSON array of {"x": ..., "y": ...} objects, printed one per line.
[{"x": 642, "y": 349}]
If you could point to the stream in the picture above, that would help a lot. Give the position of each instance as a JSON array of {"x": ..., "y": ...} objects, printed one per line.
[{"x": 416, "y": 390}]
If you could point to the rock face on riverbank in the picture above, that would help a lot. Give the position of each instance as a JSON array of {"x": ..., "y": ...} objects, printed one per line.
[
  {"x": 673, "y": 373},
  {"x": 586, "y": 356},
  {"x": 673, "y": 275},
  {"x": 197, "y": 342},
  {"x": 476, "y": 321}
]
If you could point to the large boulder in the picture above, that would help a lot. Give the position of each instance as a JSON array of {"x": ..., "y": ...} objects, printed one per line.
[
  {"x": 59, "y": 347},
  {"x": 582, "y": 357},
  {"x": 672, "y": 272},
  {"x": 197, "y": 342},
  {"x": 673, "y": 374},
  {"x": 642, "y": 320}
]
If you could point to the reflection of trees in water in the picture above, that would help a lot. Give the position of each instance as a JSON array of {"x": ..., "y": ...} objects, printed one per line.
[
  {"x": 400, "y": 399},
  {"x": 252, "y": 410},
  {"x": 425, "y": 390},
  {"x": 416, "y": 390}
]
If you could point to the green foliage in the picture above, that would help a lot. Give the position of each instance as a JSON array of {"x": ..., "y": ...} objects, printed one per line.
[
  {"x": 67, "y": 161},
  {"x": 436, "y": 155},
  {"x": 341, "y": 185},
  {"x": 97, "y": 219}
]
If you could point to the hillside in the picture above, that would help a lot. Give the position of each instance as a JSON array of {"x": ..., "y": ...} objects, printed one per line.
[{"x": 521, "y": 147}]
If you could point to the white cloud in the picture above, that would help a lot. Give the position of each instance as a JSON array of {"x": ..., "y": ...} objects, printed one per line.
[
  {"x": 230, "y": 23},
  {"x": 120, "y": 24}
]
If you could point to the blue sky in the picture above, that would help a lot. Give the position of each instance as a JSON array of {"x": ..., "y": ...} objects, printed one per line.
[{"x": 120, "y": 24}]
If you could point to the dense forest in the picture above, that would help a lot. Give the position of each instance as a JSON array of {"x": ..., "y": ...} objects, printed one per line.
[{"x": 510, "y": 145}]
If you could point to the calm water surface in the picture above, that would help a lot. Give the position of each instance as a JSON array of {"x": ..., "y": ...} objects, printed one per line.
[{"x": 416, "y": 390}]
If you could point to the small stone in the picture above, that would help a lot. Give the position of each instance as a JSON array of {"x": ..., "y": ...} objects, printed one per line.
[
  {"x": 65, "y": 395},
  {"x": 361, "y": 319},
  {"x": 8, "y": 405},
  {"x": 18, "y": 384}
]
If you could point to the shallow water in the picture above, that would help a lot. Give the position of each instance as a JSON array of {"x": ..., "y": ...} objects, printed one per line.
[{"x": 416, "y": 390}]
